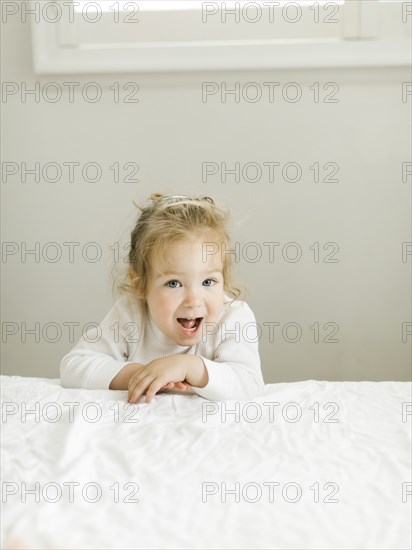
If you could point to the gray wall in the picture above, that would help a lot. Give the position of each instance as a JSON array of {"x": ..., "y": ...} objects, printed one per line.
[{"x": 169, "y": 134}]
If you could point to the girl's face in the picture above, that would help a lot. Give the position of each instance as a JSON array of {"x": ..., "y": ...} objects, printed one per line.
[{"x": 187, "y": 290}]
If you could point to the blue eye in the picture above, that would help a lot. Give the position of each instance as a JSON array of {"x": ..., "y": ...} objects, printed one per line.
[
  {"x": 172, "y": 284},
  {"x": 211, "y": 281}
]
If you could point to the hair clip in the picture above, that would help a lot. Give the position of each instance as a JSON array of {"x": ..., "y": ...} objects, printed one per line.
[
  {"x": 181, "y": 198},
  {"x": 174, "y": 198}
]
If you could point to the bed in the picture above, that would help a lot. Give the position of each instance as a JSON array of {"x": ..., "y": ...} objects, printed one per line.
[{"x": 311, "y": 464}]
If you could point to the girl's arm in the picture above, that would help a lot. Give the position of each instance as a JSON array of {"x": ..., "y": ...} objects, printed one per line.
[
  {"x": 102, "y": 352},
  {"x": 234, "y": 372},
  {"x": 121, "y": 380}
]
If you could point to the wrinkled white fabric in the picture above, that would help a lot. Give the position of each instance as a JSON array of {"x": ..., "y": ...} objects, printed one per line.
[{"x": 182, "y": 442}]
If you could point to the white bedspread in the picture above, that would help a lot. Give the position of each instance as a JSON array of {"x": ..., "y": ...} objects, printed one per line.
[{"x": 184, "y": 475}]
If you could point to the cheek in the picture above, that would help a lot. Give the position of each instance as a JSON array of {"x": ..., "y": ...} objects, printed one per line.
[
  {"x": 166, "y": 302},
  {"x": 218, "y": 301},
  {"x": 156, "y": 303}
]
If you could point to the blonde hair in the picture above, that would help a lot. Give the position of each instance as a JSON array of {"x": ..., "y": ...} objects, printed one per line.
[{"x": 169, "y": 219}]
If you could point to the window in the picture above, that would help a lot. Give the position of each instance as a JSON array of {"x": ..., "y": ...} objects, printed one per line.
[{"x": 74, "y": 36}]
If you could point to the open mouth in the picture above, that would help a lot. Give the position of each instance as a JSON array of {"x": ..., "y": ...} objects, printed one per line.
[{"x": 189, "y": 326}]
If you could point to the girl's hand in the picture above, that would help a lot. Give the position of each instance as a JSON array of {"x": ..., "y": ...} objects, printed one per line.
[
  {"x": 156, "y": 375},
  {"x": 180, "y": 386}
]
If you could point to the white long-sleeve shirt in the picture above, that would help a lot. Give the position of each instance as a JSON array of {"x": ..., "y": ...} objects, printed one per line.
[{"x": 228, "y": 349}]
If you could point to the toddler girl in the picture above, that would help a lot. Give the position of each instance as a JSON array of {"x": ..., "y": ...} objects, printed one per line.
[{"x": 176, "y": 326}]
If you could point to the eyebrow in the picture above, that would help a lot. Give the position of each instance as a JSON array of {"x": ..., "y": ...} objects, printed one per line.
[{"x": 179, "y": 274}]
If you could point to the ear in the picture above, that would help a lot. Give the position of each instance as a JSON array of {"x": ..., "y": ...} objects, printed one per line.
[{"x": 134, "y": 282}]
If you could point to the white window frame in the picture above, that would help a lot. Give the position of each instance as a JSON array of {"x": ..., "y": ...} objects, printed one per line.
[{"x": 360, "y": 44}]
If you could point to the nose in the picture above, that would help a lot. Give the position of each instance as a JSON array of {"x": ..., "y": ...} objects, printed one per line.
[{"x": 192, "y": 299}]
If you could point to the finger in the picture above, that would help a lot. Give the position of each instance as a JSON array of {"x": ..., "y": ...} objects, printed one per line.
[
  {"x": 154, "y": 387},
  {"x": 181, "y": 386},
  {"x": 169, "y": 386},
  {"x": 137, "y": 389},
  {"x": 135, "y": 379}
]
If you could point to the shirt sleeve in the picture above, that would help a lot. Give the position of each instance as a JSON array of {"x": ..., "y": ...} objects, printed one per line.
[
  {"x": 101, "y": 352},
  {"x": 235, "y": 370}
]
